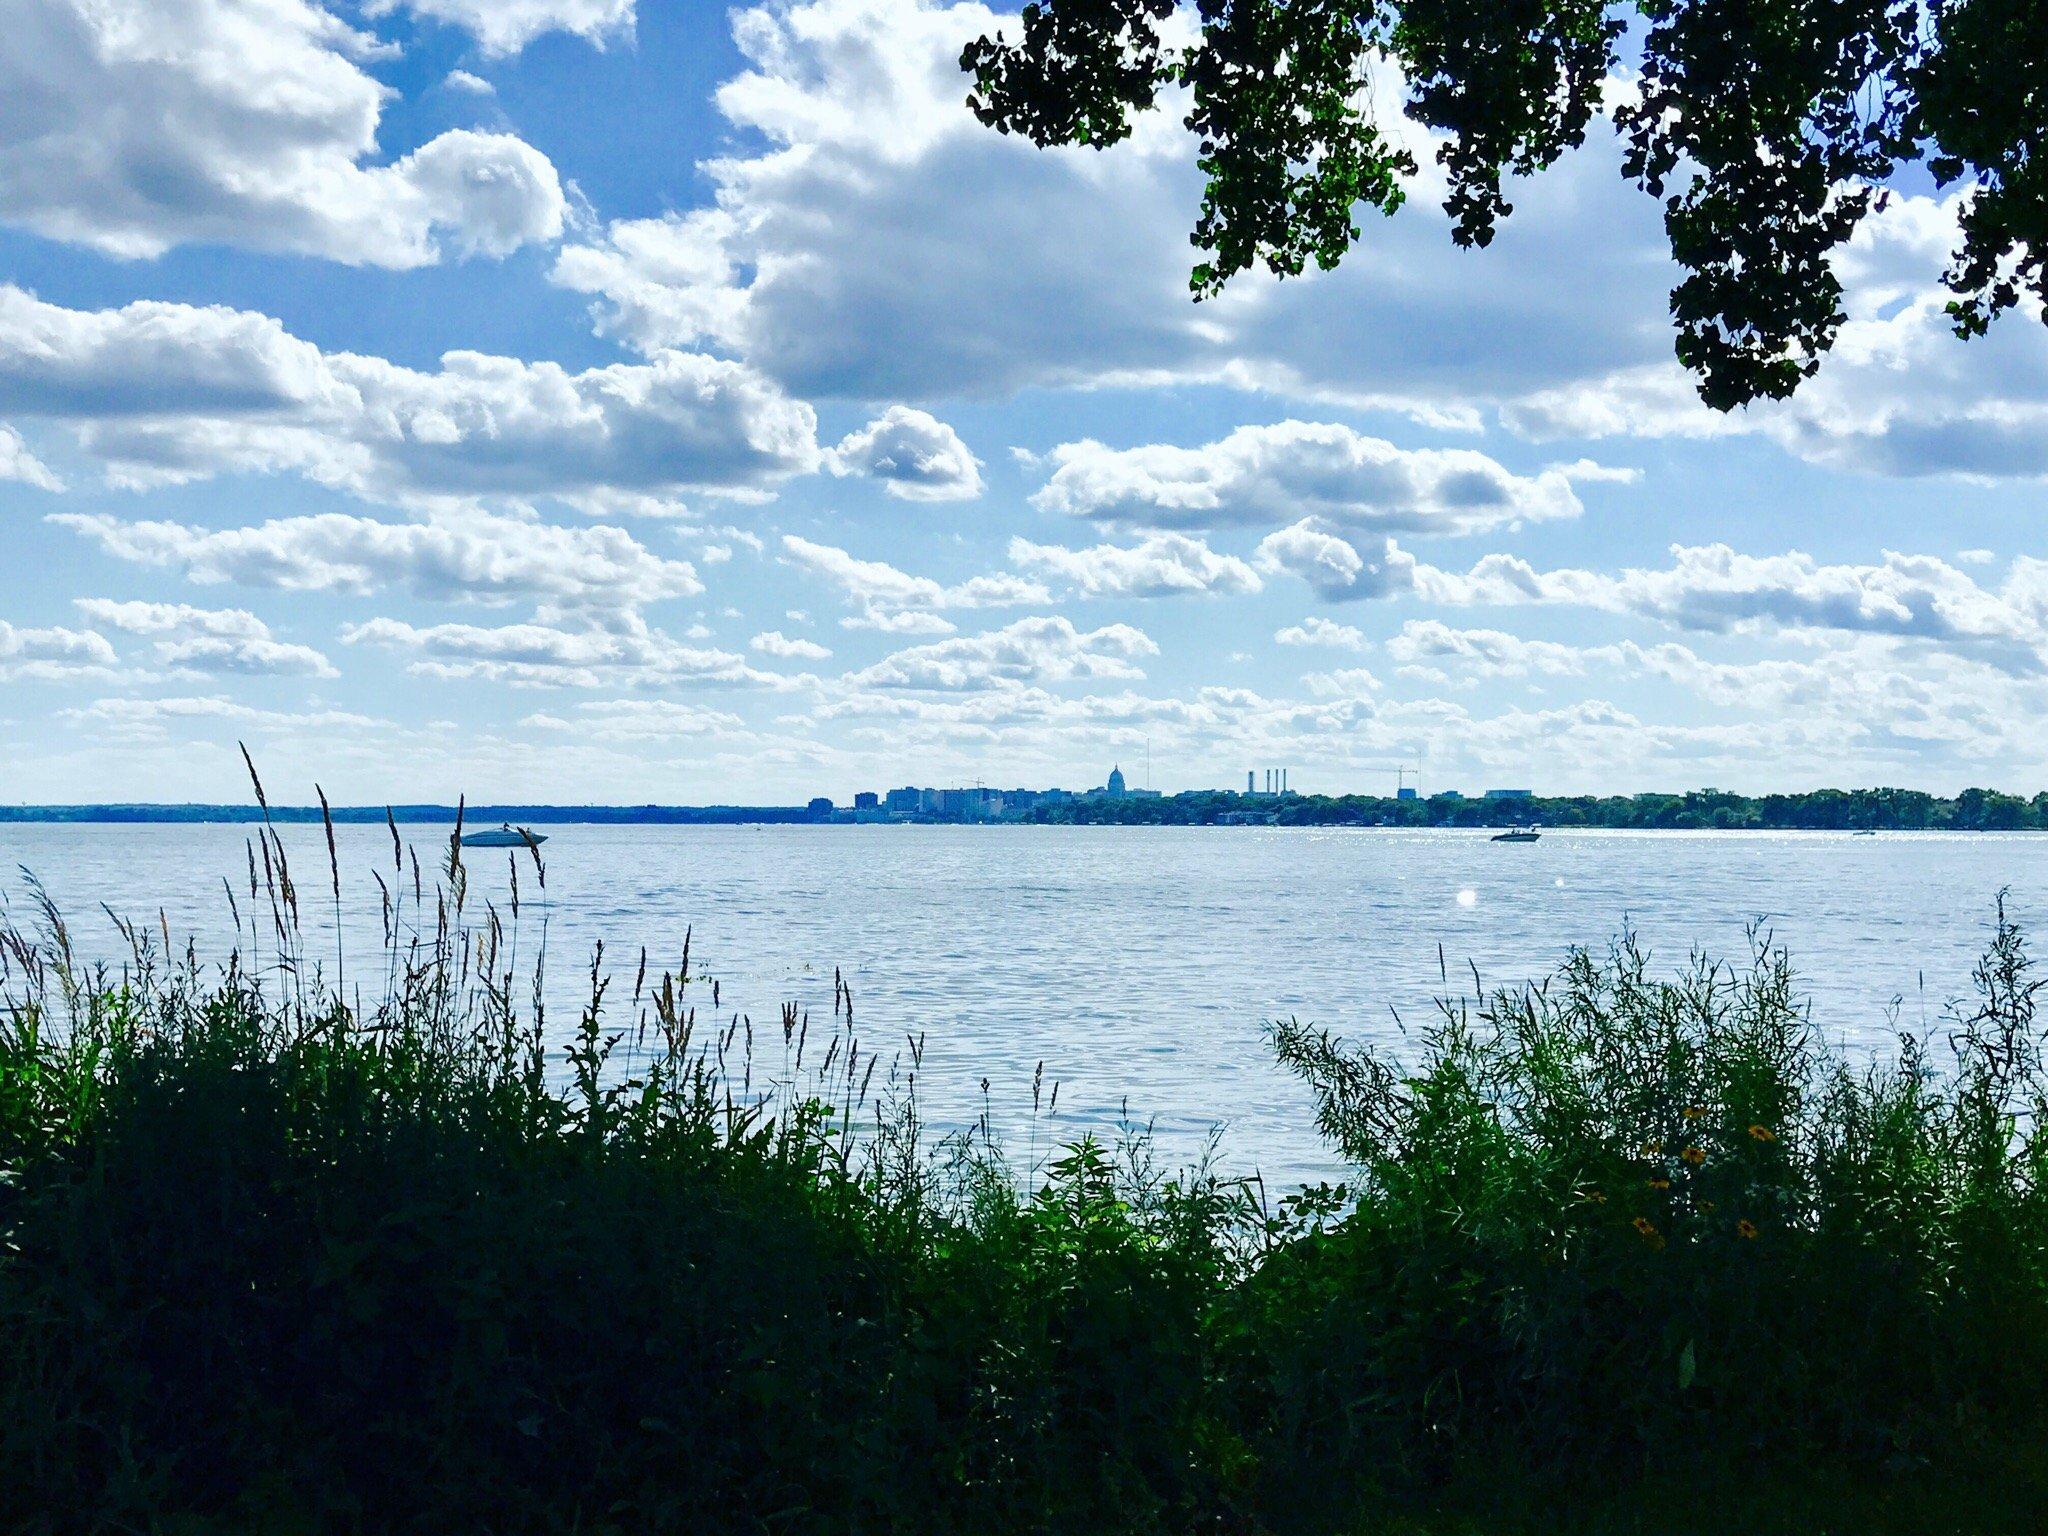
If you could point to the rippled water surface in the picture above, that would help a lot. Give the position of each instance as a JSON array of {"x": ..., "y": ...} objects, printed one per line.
[{"x": 1136, "y": 963}]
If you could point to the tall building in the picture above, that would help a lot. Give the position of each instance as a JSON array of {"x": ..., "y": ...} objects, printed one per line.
[{"x": 1115, "y": 787}]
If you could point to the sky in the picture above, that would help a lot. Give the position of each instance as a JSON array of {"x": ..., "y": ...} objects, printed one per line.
[{"x": 591, "y": 401}]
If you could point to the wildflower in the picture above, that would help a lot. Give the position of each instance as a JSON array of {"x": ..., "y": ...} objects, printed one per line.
[
  {"x": 1652, "y": 1148},
  {"x": 1648, "y": 1229},
  {"x": 1745, "y": 1228},
  {"x": 1660, "y": 1183},
  {"x": 1694, "y": 1112},
  {"x": 1694, "y": 1155},
  {"x": 1762, "y": 1133}
]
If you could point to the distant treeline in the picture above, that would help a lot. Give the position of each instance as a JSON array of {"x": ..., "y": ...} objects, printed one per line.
[
  {"x": 1974, "y": 810},
  {"x": 475, "y": 815}
]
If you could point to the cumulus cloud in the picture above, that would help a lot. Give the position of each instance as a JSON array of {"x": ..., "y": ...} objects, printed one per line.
[
  {"x": 41, "y": 654},
  {"x": 1430, "y": 643},
  {"x": 915, "y": 455},
  {"x": 221, "y": 640},
  {"x": 1069, "y": 267},
  {"x": 774, "y": 642},
  {"x": 1712, "y": 588},
  {"x": 1270, "y": 474},
  {"x": 503, "y": 27},
  {"x": 167, "y": 393},
  {"x": 133, "y": 129},
  {"x": 895, "y": 601},
  {"x": 1040, "y": 650},
  {"x": 1707, "y": 588},
  {"x": 1164, "y": 565},
  {"x": 468, "y": 559},
  {"x": 23, "y": 467},
  {"x": 1316, "y": 630},
  {"x": 1336, "y": 567}
]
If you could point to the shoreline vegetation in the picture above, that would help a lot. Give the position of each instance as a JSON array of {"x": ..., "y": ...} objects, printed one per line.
[
  {"x": 1973, "y": 810},
  {"x": 283, "y": 1250}
]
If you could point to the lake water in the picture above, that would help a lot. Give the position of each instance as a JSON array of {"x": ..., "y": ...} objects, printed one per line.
[{"x": 1136, "y": 963}]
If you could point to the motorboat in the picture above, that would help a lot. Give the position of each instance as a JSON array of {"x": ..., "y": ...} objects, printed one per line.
[
  {"x": 1517, "y": 835},
  {"x": 504, "y": 835}
]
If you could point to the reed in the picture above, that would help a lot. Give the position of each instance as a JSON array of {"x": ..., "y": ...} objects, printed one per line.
[{"x": 287, "y": 1250}]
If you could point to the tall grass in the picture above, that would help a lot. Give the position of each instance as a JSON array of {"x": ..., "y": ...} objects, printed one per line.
[{"x": 287, "y": 1250}]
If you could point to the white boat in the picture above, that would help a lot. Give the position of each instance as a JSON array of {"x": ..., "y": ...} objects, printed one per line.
[
  {"x": 504, "y": 835},
  {"x": 1517, "y": 835}
]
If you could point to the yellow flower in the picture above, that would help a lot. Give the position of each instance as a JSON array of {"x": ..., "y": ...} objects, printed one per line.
[
  {"x": 1649, "y": 1231},
  {"x": 1694, "y": 1112},
  {"x": 1652, "y": 1148},
  {"x": 1745, "y": 1228},
  {"x": 1660, "y": 1183},
  {"x": 1762, "y": 1133},
  {"x": 1694, "y": 1155}
]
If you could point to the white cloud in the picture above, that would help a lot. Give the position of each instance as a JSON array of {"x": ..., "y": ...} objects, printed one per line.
[
  {"x": 152, "y": 717},
  {"x": 1711, "y": 588},
  {"x": 208, "y": 639},
  {"x": 894, "y": 600},
  {"x": 774, "y": 642},
  {"x": 23, "y": 467},
  {"x": 1271, "y": 474},
  {"x": 1164, "y": 565},
  {"x": 475, "y": 85},
  {"x": 915, "y": 455},
  {"x": 1316, "y": 630},
  {"x": 135, "y": 128},
  {"x": 1490, "y": 652},
  {"x": 624, "y": 651},
  {"x": 28, "y": 653},
  {"x": 1708, "y": 588},
  {"x": 875, "y": 242},
  {"x": 1029, "y": 651},
  {"x": 165, "y": 393},
  {"x": 455, "y": 559},
  {"x": 881, "y": 244},
  {"x": 503, "y": 27},
  {"x": 1337, "y": 567}
]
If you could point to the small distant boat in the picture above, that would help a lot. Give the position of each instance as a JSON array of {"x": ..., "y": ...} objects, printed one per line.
[
  {"x": 504, "y": 835},
  {"x": 1517, "y": 835},
  {"x": 1864, "y": 832}
]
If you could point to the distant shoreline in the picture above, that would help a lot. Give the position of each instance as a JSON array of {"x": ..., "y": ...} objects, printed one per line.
[
  {"x": 552, "y": 815},
  {"x": 1643, "y": 813}
]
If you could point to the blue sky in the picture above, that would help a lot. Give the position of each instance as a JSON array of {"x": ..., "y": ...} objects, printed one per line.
[{"x": 558, "y": 400}]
